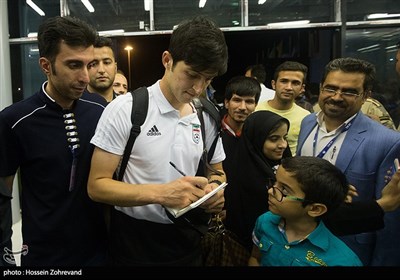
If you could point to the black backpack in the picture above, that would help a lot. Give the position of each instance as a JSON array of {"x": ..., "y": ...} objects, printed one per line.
[{"x": 140, "y": 104}]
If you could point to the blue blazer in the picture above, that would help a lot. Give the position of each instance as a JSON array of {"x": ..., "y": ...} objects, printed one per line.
[{"x": 367, "y": 153}]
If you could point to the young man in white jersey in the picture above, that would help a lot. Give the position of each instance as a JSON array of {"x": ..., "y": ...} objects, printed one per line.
[{"x": 141, "y": 232}]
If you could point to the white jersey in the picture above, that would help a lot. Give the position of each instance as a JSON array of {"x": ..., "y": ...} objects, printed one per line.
[
  {"x": 164, "y": 137},
  {"x": 266, "y": 93}
]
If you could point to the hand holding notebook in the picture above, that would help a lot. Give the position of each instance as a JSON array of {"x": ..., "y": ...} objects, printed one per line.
[{"x": 178, "y": 212}]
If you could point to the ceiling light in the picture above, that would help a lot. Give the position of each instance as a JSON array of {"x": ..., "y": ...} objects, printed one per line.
[
  {"x": 288, "y": 23},
  {"x": 382, "y": 15},
  {"x": 88, "y": 5},
  {"x": 202, "y": 3},
  {"x": 112, "y": 32},
  {"x": 146, "y": 5},
  {"x": 260, "y": 2},
  {"x": 32, "y": 34},
  {"x": 34, "y": 50},
  {"x": 391, "y": 47},
  {"x": 35, "y": 7},
  {"x": 368, "y": 48}
]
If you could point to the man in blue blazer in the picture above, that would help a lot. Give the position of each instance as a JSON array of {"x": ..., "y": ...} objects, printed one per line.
[{"x": 361, "y": 148}]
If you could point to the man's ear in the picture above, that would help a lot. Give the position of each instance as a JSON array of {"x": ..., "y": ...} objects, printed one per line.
[
  {"x": 45, "y": 65},
  {"x": 316, "y": 209},
  {"x": 303, "y": 89},
  {"x": 273, "y": 84},
  {"x": 367, "y": 94},
  {"x": 167, "y": 60}
]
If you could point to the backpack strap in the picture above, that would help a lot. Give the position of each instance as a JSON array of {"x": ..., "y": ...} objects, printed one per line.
[
  {"x": 140, "y": 104},
  {"x": 210, "y": 108},
  {"x": 200, "y": 104},
  {"x": 199, "y": 109}
]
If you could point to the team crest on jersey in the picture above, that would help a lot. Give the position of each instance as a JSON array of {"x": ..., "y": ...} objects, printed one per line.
[{"x": 196, "y": 133}]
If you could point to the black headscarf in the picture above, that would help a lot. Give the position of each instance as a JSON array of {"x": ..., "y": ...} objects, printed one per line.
[{"x": 246, "y": 195}]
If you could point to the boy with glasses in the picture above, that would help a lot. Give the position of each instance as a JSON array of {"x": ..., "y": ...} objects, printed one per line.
[{"x": 293, "y": 233}]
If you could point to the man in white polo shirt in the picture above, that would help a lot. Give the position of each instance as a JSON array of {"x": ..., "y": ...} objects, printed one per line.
[{"x": 141, "y": 233}]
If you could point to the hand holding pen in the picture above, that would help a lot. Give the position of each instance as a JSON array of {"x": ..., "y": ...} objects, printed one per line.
[
  {"x": 181, "y": 172},
  {"x": 215, "y": 203}
]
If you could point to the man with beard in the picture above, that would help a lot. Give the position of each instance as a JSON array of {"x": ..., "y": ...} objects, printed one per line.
[
  {"x": 241, "y": 97},
  {"x": 103, "y": 69},
  {"x": 46, "y": 137},
  {"x": 363, "y": 149}
]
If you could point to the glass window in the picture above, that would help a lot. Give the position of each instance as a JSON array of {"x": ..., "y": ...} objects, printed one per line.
[
  {"x": 113, "y": 15},
  {"x": 358, "y": 10},
  {"x": 27, "y": 77},
  {"x": 132, "y": 16},
  {"x": 378, "y": 46},
  {"x": 29, "y": 19},
  {"x": 314, "y": 46},
  {"x": 281, "y": 11},
  {"x": 169, "y": 13}
]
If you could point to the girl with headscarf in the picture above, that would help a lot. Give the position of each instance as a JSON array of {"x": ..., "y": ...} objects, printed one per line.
[{"x": 260, "y": 149}]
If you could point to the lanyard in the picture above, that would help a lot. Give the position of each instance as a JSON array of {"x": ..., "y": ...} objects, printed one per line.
[{"x": 330, "y": 143}]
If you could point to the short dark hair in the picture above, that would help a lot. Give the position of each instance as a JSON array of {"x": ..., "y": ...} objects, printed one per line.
[
  {"x": 258, "y": 72},
  {"x": 119, "y": 71},
  {"x": 102, "y": 41},
  {"x": 243, "y": 86},
  {"x": 320, "y": 180},
  {"x": 73, "y": 31},
  {"x": 352, "y": 65},
  {"x": 200, "y": 44},
  {"x": 291, "y": 66}
]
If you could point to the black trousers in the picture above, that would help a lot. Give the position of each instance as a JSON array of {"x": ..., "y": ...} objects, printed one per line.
[{"x": 135, "y": 242}]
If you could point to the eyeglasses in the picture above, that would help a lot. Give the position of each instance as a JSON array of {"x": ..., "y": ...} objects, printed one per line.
[
  {"x": 279, "y": 195},
  {"x": 333, "y": 92}
]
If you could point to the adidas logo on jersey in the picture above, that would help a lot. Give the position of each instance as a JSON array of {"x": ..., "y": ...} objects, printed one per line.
[{"x": 154, "y": 131}]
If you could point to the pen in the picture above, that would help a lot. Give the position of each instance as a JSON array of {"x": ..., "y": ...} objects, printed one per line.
[{"x": 177, "y": 169}]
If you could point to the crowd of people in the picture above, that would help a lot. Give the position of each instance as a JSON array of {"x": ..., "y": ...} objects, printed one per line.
[{"x": 314, "y": 187}]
